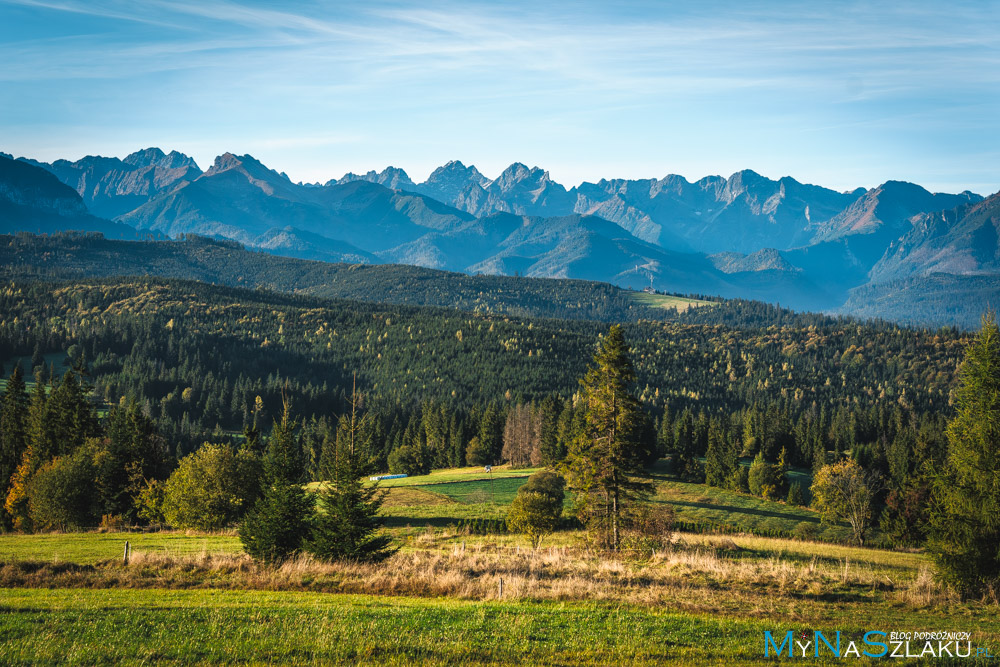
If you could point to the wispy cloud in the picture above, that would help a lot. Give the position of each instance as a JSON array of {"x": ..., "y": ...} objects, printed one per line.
[{"x": 534, "y": 77}]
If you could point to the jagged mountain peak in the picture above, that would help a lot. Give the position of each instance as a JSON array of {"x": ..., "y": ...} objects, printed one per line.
[
  {"x": 155, "y": 157},
  {"x": 228, "y": 161},
  {"x": 391, "y": 177},
  {"x": 519, "y": 173},
  {"x": 453, "y": 168}
]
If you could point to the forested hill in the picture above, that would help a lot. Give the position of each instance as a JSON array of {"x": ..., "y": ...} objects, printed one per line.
[
  {"x": 72, "y": 256},
  {"x": 197, "y": 355}
]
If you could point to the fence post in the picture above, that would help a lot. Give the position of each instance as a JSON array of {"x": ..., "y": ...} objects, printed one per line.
[
  {"x": 125, "y": 557},
  {"x": 501, "y": 588}
]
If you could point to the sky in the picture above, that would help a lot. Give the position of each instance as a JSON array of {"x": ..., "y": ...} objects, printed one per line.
[{"x": 840, "y": 94}]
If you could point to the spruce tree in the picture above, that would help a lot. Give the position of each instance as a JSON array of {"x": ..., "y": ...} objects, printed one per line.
[
  {"x": 965, "y": 512},
  {"x": 16, "y": 502},
  {"x": 720, "y": 458},
  {"x": 347, "y": 524},
  {"x": 795, "y": 495},
  {"x": 275, "y": 528},
  {"x": 604, "y": 465},
  {"x": 13, "y": 433}
]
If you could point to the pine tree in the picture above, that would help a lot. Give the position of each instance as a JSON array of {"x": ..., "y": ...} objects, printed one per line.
[
  {"x": 604, "y": 465},
  {"x": 965, "y": 513},
  {"x": 720, "y": 458},
  {"x": 275, "y": 528},
  {"x": 347, "y": 524},
  {"x": 16, "y": 502},
  {"x": 133, "y": 453},
  {"x": 13, "y": 433},
  {"x": 795, "y": 495}
]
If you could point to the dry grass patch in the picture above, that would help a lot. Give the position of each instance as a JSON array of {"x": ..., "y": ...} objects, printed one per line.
[
  {"x": 407, "y": 496},
  {"x": 715, "y": 576}
]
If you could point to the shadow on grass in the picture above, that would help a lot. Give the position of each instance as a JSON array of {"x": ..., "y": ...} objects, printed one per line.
[{"x": 798, "y": 518}]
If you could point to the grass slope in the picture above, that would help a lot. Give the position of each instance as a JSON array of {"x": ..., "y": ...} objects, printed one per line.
[
  {"x": 256, "y": 627},
  {"x": 665, "y": 301},
  {"x": 95, "y": 547}
]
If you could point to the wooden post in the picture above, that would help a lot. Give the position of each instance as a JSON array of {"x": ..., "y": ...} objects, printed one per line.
[
  {"x": 501, "y": 588},
  {"x": 125, "y": 557}
]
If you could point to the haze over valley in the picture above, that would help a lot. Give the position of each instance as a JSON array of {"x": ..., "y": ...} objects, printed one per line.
[{"x": 804, "y": 246}]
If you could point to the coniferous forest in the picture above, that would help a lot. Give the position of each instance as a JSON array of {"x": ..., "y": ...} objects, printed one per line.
[{"x": 197, "y": 363}]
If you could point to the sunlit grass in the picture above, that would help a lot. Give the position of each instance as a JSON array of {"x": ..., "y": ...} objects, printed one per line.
[{"x": 666, "y": 301}]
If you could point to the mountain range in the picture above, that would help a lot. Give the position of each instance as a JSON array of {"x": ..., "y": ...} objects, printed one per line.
[{"x": 802, "y": 245}]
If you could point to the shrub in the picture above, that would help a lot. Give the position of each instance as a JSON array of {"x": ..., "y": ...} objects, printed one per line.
[
  {"x": 211, "y": 488},
  {"x": 536, "y": 510},
  {"x": 806, "y": 530},
  {"x": 650, "y": 529},
  {"x": 766, "y": 480},
  {"x": 149, "y": 502},
  {"x": 409, "y": 460},
  {"x": 62, "y": 493},
  {"x": 534, "y": 514}
]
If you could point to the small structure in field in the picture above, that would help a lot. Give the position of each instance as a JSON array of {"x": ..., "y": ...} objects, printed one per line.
[{"x": 379, "y": 478}]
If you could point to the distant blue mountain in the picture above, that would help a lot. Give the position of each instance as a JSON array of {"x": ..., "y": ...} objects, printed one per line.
[{"x": 802, "y": 245}]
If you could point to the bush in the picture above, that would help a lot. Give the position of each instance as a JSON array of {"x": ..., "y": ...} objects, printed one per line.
[
  {"x": 409, "y": 460},
  {"x": 547, "y": 483},
  {"x": 650, "y": 529},
  {"x": 211, "y": 488},
  {"x": 766, "y": 480},
  {"x": 534, "y": 514},
  {"x": 536, "y": 510},
  {"x": 62, "y": 493},
  {"x": 806, "y": 530},
  {"x": 149, "y": 502}
]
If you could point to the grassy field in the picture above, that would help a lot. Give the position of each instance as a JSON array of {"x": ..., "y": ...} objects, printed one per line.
[
  {"x": 666, "y": 301},
  {"x": 700, "y": 503},
  {"x": 94, "y": 547},
  {"x": 701, "y": 599},
  {"x": 705, "y": 600},
  {"x": 451, "y": 475},
  {"x": 140, "y": 627}
]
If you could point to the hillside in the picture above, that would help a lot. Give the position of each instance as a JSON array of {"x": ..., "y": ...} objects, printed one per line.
[
  {"x": 960, "y": 241},
  {"x": 33, "y": 200},
  {"x": 746, "y": 236},
  {"x": 156, "y": 338},
  {"x": 110, "y": 187},
  {"x": 227, "y": 263}
]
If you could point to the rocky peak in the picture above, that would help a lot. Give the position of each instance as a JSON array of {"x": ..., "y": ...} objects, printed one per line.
[{"x": 154, "y": 157}]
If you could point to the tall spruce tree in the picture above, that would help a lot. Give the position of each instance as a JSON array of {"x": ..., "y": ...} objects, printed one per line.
[
  {"x": 13, "y": 434},
  {"x": 274, "y": 530},
  {"x": 347, "y": 523},
  {"x": 721, "y": 461},
  {"x": 16, "y": 502},
  {"x": 604, "y": 465},
  {"x": 965, "y": 512}
]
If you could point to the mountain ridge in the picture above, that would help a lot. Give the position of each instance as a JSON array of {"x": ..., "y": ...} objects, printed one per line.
[{"x": 744, "y": 235}]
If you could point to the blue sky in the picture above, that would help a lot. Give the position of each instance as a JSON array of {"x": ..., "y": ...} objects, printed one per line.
[{"x": 839, "y": 94}]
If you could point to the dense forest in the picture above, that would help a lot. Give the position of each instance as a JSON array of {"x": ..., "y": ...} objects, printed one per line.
[
  {"x": 448, "y": 388},
  {"x": 72, "y": 256}
]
